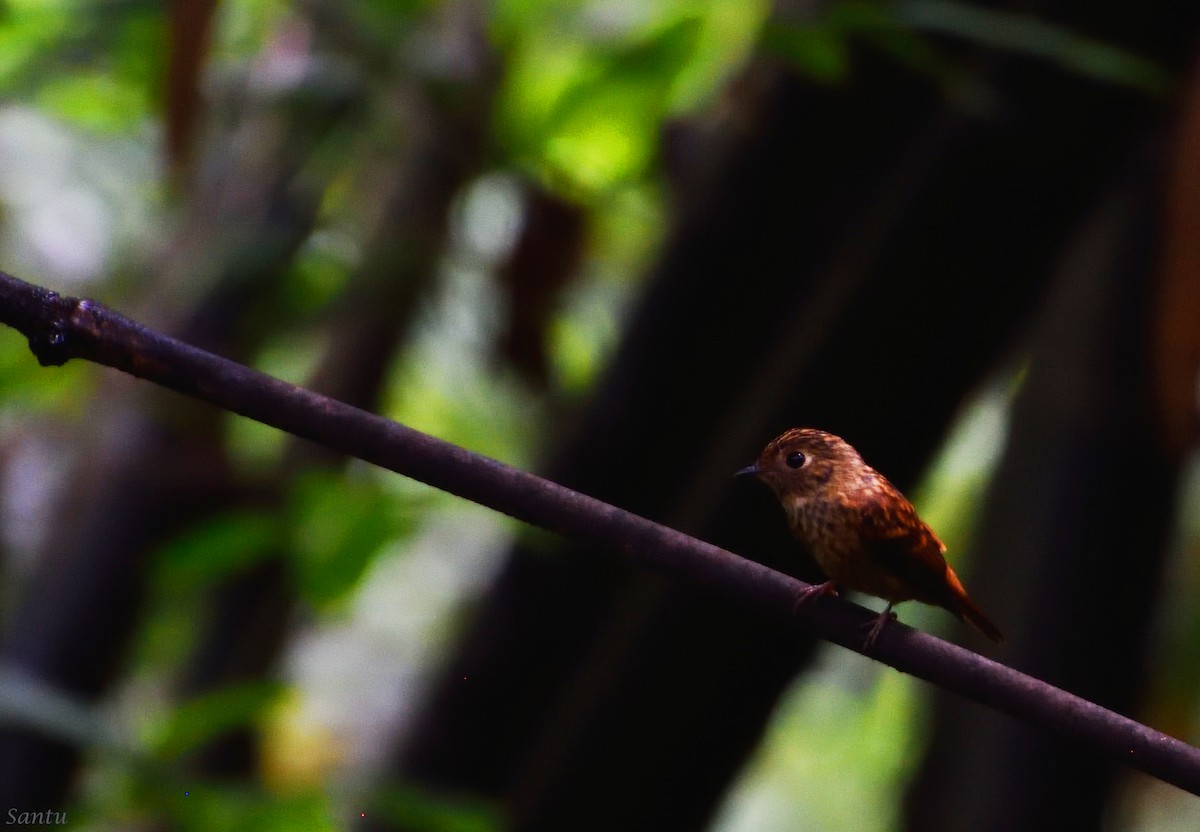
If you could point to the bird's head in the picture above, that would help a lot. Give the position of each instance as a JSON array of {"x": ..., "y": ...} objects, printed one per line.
[{"x": 803, "y": 463}]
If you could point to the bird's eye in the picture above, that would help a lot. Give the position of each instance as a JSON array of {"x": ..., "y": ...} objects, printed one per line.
[{"x": 795, "y": 459}]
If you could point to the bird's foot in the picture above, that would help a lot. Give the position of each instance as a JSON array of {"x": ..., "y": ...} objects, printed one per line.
[
  {"x": 810, "y": 592},
  {"x": 878, "y": 624}
]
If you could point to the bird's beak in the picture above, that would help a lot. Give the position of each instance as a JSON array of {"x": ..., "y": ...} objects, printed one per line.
[{"x": 748, "y": 471}]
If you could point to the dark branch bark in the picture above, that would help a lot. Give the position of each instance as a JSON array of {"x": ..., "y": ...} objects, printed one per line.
[{"x": 60, "y": 328}]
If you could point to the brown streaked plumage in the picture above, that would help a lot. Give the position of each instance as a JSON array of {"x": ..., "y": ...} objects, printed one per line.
[{"x": 860, "y": 529}]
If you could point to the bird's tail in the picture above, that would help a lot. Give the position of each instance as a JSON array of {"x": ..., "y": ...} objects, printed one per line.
[{"x": 961, "y": 605}]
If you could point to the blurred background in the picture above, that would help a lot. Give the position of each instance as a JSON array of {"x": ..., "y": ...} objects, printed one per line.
[{"x": 622, "y": 244}]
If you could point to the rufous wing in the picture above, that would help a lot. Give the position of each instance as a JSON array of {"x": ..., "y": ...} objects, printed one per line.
[{"x": 901, "y": 543}]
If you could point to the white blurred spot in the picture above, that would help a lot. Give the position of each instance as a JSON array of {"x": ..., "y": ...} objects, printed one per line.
[
  {"x": 489, "y": 217},
  {"x": 69, "y": 235}
]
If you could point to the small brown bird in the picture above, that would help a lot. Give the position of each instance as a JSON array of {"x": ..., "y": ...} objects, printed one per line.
[{"x": 860, "y": 529}]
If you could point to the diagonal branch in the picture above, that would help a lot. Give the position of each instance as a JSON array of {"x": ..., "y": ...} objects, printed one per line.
[{"x": 60, "y": 328}]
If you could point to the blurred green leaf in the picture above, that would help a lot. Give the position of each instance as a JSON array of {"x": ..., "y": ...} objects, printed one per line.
[
  {"x": 820, "y": 48},
  {"x": 592, "y": 117},
  {"x": 96, "y": 101},
  {"x": 319, "y": 273},
  {"x": 203, "y": 807},
  {"x": 1026, "y": 34},
  {"x": 254, "y": 447},
  {"x": 383, "y": 17},
  {"x": 96, "y": 65},
  {"x": 139, "y": 46},
  {"x": 338, "y": 524},
  {"x": 216, "y": 548},
  {"x": 27, "y": 29},
  {"x": 817, "y": 51},
  {"x": 27, "y": 387},
  {"x": 205, "y": 717},
  {"x": 876, "y": 23},
  {"x": 414, "y": 808},
  {"x": 462, "y": 402},
  {"x": 605, "y": 127}
]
